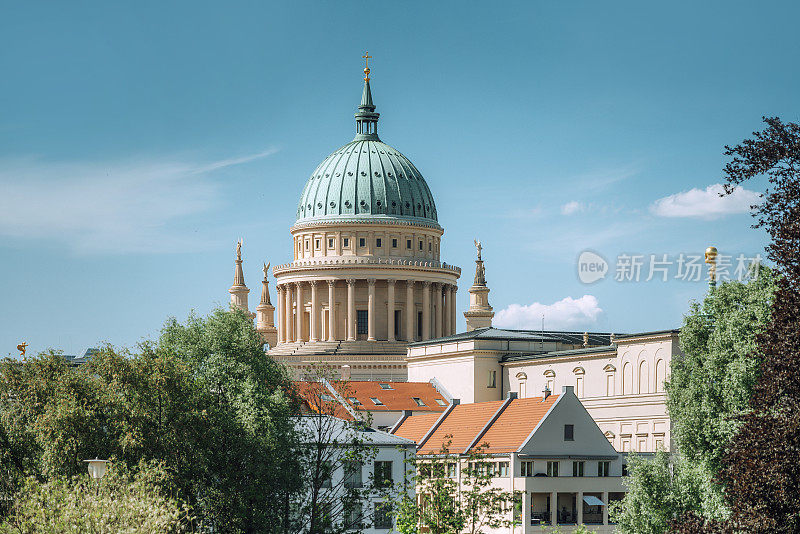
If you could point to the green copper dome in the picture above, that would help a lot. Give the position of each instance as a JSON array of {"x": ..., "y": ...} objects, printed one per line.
[{"x": 366, "y": 179}]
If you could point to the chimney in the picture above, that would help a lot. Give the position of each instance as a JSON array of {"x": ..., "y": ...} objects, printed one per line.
[
  {"x": 512, "y": 395},
  {"x": 545, "y": 393},
  {"x": 345, "y": 372}
]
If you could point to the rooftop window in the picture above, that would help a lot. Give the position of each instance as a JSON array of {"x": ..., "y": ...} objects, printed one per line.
[
  {"x": 376, "y": 401},
  {"x": 354, "y": 400},
  {"x": 385, "y": 386},
  {"x": 419, "y": 401},
  {"x": 441, "y": 402}
]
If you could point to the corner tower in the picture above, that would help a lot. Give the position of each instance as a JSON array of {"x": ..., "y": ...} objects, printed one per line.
[{"x": 366, "y": 276}]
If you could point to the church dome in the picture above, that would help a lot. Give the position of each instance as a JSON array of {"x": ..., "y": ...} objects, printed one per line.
[{"x": 366, "y": 179}]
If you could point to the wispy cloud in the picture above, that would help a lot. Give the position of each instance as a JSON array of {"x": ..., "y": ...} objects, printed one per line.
[
  {"x": 566, "y": 314},
  {"x": 708, "y": 203},
  {"x": 116, "y": 207},
  {"x": 571, "y": 208}
]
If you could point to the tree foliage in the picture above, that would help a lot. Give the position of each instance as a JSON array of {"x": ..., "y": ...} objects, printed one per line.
[
  {"x": 205, "y": 401},
  {"x": 120, "y": 502}
]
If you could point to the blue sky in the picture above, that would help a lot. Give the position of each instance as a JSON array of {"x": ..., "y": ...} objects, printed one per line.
[{"x": 139, "y": 140}]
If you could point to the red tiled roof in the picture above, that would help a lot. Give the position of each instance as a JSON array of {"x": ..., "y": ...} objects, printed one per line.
[
  {"x": 313, "y": 400},
  {"x": 463, "y": 424},
  {"x": 517, "y": 421},
  {"x": 399, "y": 397},
  {"x": 416, "y": 426}
]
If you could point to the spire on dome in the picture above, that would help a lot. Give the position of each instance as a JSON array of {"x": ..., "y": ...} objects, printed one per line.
[
  {"x": 239, "y": 290},
  {"x": 366, "y": 118}
]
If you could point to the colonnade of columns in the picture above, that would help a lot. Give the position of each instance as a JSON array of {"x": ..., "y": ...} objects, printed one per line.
[{"x": 438, "y": 308}]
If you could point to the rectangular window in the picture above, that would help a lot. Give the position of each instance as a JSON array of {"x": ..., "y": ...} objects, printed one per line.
[
  {"x": 418, "y": 401},
  {"x": 552, "y": 469},
  {"x": 624, "y": 470},
  {"x": 577, "y": 469},
  {"x": 569, "y": 432},
  {"x": 451, "y": 470},
  {"x": 429, "y": 247},
  {"x": 352, "y": 474},
  {"x": 346, "y": 242},
  {"x": 419, "y": 324},
  {"x": 316, "y": 244},
  {"x": 526, "y": 469},
  {"x": 441, "y": 402},
  {"x": 362, "y": 242},
  {"x": 354, "y": 517},
  {"x": 362, "y": 321},
  {"x": 502, "y": 469},
  {"x": 603, "y": 468},
  {"x": 354, "y": 400},
  {"x": 398, "y": 316},
  {"x": 383, "y": 473},
  {"x": 420, "y": 245},
  {"x": 384, "y": 385},
  {"x": 330, "y": 243},
  {"x": 378, "y": 242},
  {"x": 492, "y": 383},
  {"x": 376, "y": 401},
  {"x": 383, "y": 516},
  {"x": 408, "y": 243},
  {"x": 394, "y": 243},
  {"x": 307, "y": 244},
  {"x": 326, "y": 471}
]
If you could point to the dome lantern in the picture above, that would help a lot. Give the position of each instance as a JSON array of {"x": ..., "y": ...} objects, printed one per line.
[{"x": 366, "y": 118}]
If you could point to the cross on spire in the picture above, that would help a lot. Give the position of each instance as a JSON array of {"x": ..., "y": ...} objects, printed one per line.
[{"x": 366, "y": 57}]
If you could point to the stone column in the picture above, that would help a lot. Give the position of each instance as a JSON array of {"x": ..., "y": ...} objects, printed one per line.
[
  {"x": 351, "y": 309},
  {"x": 448, "y": 314},
  {"x": 298, "y": 311},
  {"x": 437, "y": 302},
  {"x": 314, "y": 312},
  {"x": 554, "y": 508},
  {"x": 287, "y": 322},
  {"x": 331, "y": 310},
  {"x": 371, "y": 310},
  {"x": 604, "y": 498},
  {"x": 579, "y": 505},
  {"x": 426, "y": 311},
  {"x": 453, "y": 307},
  {"x": 411, "y": 321},
  {"x": 279, "y": 309},
  {"x": 391, "y": 305}
]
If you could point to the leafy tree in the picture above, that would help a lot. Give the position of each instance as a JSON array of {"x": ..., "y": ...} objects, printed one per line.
[
  {"x": 120, "y": 502},
  {"x": 444, "y": 507},
  {"x": 761, "y": 471},
  {"x": 205, "y": 401},
  {"x": 709, "y": 388}
]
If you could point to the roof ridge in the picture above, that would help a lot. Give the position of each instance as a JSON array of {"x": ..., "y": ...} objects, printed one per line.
[{"x": 511, "y": 397}]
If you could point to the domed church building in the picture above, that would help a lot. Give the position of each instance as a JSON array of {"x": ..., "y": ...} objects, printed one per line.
[{"x": 366, "y": 276}]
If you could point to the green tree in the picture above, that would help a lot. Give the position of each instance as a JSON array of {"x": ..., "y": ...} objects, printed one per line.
[
  {"x": 708, "y": 390},
  {"x": 120, "y": 502},
  {"x": 205, "y": 401}
]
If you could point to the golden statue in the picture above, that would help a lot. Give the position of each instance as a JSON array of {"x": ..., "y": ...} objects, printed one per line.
[{"x": 21, "y": 348}]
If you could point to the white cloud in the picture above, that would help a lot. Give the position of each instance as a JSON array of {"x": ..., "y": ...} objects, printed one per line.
[
  {"x": 566, "y": 314},
  {"x": 706, "y": 204},
  {"x": 117, "y": 207},
  {"x": 571, "y": 208}
]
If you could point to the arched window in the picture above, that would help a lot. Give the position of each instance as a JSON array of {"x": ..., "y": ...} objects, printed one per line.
[
  {"x": 550, "y": 380},
  {"x": 523, "y": 383},
  {"x": 661, "y": 372},
  {"x": 611, "y": 372},
  {"x": 643, "y": 377},
  {"x": 579, "y": 373},
  {"x": 627, "y": 379}
]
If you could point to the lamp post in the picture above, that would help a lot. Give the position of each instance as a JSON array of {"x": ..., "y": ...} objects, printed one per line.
[{"x": 97, "y": 468}]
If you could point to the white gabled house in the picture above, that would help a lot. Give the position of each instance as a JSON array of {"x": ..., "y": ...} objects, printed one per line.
[{"x": 548, "y": 448}]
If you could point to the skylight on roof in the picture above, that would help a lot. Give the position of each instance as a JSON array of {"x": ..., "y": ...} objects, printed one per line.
[
  {"x": 419, "y": 401},
  {"x": 326, "y": 398},
  {"x": 441, "y": 402},
  {"x": 385, "y": 386},
  {"x": 354, "y": 400},
  {"x": 376, "y": 401}
]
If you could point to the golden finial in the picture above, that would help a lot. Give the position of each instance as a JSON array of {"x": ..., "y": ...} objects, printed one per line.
[
  {"x": 366, "y": 57},
  {"x": 21, "y": 348}
]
